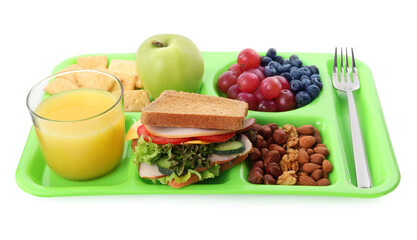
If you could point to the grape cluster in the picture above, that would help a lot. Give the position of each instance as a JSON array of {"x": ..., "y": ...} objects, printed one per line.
[
  {"x": 270, "y": 83},
  {"x": 304, "y": 80}
]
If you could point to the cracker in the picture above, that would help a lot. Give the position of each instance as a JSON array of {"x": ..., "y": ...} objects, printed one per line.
[
  {"x": 95, "y": 80},
  {"x": 128, "y": 81},
  {"x": 59, "y": 84},
  {"x": 123, "y": 67},
  {"x": 92, "y": 62},
  {"x": 71, "y": 76},
  {"x": 135, "y": 100}
]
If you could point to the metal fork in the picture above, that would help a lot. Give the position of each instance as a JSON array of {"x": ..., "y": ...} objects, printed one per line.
[{"x": 345, "y": 84}]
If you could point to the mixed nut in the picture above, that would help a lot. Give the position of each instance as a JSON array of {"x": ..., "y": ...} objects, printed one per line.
[{"x": 288, "y": 156}]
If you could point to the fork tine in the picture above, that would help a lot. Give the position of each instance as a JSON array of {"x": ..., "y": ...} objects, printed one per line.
[
  {"x": 347, "y": 67},
  {"x": 335, "y": 60},
  {"x": 353, "y": 60}
]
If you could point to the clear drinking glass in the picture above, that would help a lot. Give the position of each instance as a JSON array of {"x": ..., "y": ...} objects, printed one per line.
[{"x": 80, "y": 131}]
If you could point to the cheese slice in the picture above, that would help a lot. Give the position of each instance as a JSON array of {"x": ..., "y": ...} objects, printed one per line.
[{"x": 133, "y": 133}]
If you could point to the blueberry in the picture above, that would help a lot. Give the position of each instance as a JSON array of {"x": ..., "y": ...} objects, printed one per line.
[
  {"x": 305, "y": 71},
  {"x": 313, "y": 91},
  {"x": 279, "y": 59},
  {"x": 305, "y": 82},
  {"x": 270, "y": 71},
  {"x": 274, "y": 64},
  {"x": 293, "y": 57},
  {"x": 302, "y": 98},
  {"x": 286, "y": 76},
  {"x": 304, "y": 76},
  {"x": 286, "y": 61},
  {"x": 265, "y": 60},
  {"x": 296, "y": 62},
  {"x": 317, "y": 82},
  {"x": 314, "y": 69},
  {"x": 295, "y": 73},
  {"x": 296, "y": 86},
  {"x": 286, "y": 67},
  {"x": 315, "y": 76},
  {"x": 272, "y": 53},
  {"x": 280, "y": 69}
]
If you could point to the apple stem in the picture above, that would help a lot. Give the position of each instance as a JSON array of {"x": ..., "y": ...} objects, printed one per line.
[{"x": 158, "y": 44}]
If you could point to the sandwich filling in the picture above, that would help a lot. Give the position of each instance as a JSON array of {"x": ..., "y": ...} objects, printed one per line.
[{"x": 165, "y": 162}]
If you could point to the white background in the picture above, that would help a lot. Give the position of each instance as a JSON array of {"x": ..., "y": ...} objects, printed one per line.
[{"x": 37, "y": 35}]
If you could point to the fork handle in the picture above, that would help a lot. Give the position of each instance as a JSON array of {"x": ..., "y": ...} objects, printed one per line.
[{"x": 362, "y": 171}]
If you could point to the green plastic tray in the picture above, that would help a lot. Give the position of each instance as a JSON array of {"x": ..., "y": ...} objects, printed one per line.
[{"x": 328, "y": 113}]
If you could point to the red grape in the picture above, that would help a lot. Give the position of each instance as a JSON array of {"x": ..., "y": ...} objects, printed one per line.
[
  {"x": 258, "y": 73},
  {"x": 248, "y": 58},
  {"x": 267, "y": 106},
  {"x": 285, "y": 101},
  {"x": 236, "y": 69},
  {"x": 260, "y": 68},
  {"x": 284, "y": 82},
  {"x": 226, "y": 80},
  {"x": 258, "y": 95},
  {"x": 270, "y": 87},
  {"x": 247, "y": 82},
  {"x": 233, "y": 91},
  {"x": 249, "y": 98}
]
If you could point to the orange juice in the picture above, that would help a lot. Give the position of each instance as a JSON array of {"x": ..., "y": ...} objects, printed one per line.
[{"x": 83, "y": 136}]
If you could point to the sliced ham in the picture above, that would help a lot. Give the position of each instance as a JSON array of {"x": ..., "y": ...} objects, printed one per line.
[
  {"x": 149, "y": 171},
  {"x": 174, "y": 132}
]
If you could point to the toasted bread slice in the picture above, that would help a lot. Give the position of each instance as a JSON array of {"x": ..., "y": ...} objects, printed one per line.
[{"x": 182, "y": 109}]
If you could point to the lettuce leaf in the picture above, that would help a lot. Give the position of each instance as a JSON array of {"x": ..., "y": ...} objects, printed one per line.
[
  {"x": 209, "y": 173},
  {"x": 148, "y": 152}
]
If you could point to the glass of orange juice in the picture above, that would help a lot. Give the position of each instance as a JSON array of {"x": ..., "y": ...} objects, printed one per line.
[{"x": 80, "y": 129}]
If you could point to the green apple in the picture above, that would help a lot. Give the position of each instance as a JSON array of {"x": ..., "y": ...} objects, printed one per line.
[{"x": 169, "y": 62}]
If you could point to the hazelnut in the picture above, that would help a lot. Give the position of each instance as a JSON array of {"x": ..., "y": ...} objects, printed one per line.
[
  {"x": 269, "y": 180},
  {"x": 259, "y": 141},
  {"x": 265, "y": 132},
  {"x": 255, "y": 155},
  {"x": 264, "y": 152},
  {"x": 257, "y": 169},
  {"x": 281, "y": 150},
  {"x": 273, "y": 126},
  {"x": 256, "y": 127},
  {"x": 272, "y": 156},
  {"x": 279, "y": 136},
  {"x": 273, "y": 169},
  {"x": 273, "y": 146},
  {"x": 259, "y": 164},
  {"x": 255, "y": 177},
  {"x": 268, "y": 141}
]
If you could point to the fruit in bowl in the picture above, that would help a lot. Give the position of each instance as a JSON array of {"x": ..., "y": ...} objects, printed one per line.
[
  {"x": 169, "y": 61},
  {"x": 270, "y": 83}
]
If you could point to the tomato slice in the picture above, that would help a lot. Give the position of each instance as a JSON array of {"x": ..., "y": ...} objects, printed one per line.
[
  {"x": 217, "y": 138},
  {"x": 159, "y": 140}
]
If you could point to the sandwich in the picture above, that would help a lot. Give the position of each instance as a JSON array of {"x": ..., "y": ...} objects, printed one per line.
[{"x": 183, "y": 138}]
